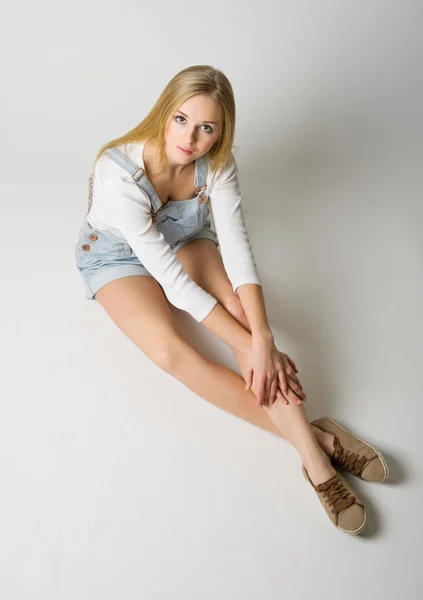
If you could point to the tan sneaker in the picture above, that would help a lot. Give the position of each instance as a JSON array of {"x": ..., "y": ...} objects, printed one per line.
[
  {"x": 343, "y": 506},
  {"x": 353, "y": 454}
]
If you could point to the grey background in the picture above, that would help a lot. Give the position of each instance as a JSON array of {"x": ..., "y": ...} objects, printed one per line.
[{"x": 117, "y": 480}]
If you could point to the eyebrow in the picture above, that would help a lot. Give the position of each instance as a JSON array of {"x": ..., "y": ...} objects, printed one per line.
[{"x": 182, "y": 113}]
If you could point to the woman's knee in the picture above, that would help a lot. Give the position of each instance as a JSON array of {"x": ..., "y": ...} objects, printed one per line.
[{"x": 169, "y": 355}]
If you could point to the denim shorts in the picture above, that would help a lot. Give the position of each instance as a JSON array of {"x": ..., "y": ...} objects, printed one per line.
[{"x": 103, "y": 255}]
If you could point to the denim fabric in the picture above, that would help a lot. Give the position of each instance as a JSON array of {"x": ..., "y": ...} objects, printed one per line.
[{"x": 103, "y": 255}]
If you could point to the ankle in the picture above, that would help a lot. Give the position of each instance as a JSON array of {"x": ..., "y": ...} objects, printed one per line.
[
  {"x": 319, "y": 468},
  {"x": 315, "y": 459},
  {"x": 324, "y": 439}
]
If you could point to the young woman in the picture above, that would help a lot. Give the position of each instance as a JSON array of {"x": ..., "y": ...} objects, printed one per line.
[{"x": 146, "y": 240}]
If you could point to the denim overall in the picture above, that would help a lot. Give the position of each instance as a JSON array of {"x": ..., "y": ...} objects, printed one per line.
[{"x": 103, "y": 255}]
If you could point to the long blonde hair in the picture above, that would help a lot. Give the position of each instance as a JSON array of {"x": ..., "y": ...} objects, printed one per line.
[{"x": 194, "y": 80}]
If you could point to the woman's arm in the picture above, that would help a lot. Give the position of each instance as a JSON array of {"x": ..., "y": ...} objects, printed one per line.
[
  {"x": 236, "y": 251},
  {"x": 228, "y": 214},
  {"x": 225, "y": 326},
  {"x": 252, "y": 300},
  {"x": 220, "y": 322}
]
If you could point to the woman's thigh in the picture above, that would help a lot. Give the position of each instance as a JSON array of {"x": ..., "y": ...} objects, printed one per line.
[
  {"x": 203, "y": 263},
  {"x": 138, "y": 306}
]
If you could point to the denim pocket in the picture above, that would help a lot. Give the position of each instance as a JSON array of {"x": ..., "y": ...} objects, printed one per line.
[
  {"x": 96, "y": 247},
  {"x": 176, "y": 227}
]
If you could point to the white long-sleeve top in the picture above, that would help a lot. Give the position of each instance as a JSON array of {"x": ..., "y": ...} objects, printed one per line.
[{"x": 119, "y": 203}]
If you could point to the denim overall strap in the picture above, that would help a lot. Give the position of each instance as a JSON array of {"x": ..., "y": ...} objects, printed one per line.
[
  {"x": 200, "y": 177},
  {"x": 137, "y": 173},
  {"x": 139, "y": 176}
]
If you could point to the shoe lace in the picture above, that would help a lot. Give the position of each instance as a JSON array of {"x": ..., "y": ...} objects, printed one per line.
[
  {"x": 337, "y": 495},
  {"x": 347, "y": 459}
]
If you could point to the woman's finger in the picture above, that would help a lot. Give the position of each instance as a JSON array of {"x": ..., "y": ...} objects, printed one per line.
[
  {"x": 282, "y": 384},
  {"x": 249, "y": 379},
  {"x": 282, "y": 381},
  {"x": 291, "y": 390},
  {"x": 291, "y": 362},
  {"x": 273, "y": 389},
  {"x": 268, "y": 390},
  {"x": 261, "y": 389},
  {"x": 297, "y": 391},
  {"x": 295, "y": 378},
  {"x": 297, "y": 381}
]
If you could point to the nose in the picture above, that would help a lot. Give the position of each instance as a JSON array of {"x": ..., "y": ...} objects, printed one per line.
[{"x": 191, "y": 138}]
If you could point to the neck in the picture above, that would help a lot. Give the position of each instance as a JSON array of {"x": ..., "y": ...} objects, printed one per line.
[{"x": 152, "y": 164}]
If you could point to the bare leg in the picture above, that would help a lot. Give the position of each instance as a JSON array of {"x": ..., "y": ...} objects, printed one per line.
[
  {"x": 138, "y": 307},
  {"x": 293, "y": 424},
  {"x": 313, "y": 445},
  {"x": 204, "y": 264},
  {"x": 225, "y": 389}
]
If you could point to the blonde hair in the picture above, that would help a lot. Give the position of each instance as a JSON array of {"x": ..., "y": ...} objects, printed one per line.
[{"x": 192, "y": 81}]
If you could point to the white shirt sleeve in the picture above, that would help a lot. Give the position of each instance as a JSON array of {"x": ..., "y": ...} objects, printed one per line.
[
  {"x": 129, "y": 209},
  {"x": 236, "y": 251}
]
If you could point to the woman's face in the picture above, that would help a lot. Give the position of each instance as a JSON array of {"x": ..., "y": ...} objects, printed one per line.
[{"x": 195, "y": 126}]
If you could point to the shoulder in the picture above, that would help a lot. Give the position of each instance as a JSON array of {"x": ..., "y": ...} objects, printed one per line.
[
  {"x": 106, "y": 167},
  {"x": 115, "y": 186},
  {"x": 226, "y": 174},
  {"x": 225, "y": 181}
]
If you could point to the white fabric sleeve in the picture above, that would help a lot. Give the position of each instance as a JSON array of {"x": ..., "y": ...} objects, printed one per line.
[
  {"x": 129, "y": 208},
  {"x": 237, "y": 254}
]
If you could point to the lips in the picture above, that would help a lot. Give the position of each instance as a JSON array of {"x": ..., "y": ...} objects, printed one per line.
[{"x": 185, "y": 150}]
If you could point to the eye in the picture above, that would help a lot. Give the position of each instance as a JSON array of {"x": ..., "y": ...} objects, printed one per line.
[{"x": 210, "y": 130}]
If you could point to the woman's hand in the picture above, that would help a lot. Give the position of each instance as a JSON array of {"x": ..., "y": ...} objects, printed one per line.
[{"x": 271, "y": 374}]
